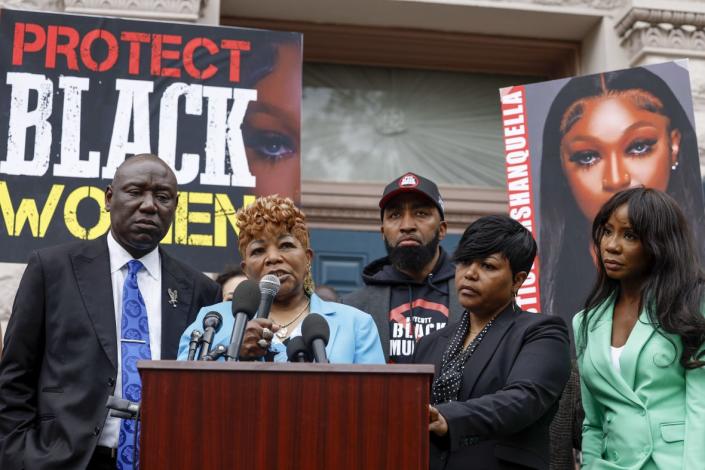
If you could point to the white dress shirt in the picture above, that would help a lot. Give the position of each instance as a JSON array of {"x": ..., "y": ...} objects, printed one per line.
[
  {"x": 149, "y": 281},
  {"x": 615, "y": 355}
]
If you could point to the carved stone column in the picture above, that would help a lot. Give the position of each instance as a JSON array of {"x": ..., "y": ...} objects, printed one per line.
[
  {"x": 43, "y": 5},
  {"x": 178, "y": 10},
  {"x": 653, "y": 35},
  {"x": 174, "y": 10}
]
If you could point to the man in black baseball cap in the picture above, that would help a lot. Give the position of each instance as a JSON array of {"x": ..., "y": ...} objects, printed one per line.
[
  {"x": 412, "y": 183},
  {"x": 410, "y": 292}
]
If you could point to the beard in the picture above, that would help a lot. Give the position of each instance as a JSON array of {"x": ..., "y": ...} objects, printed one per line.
[{"x": 412, "y": 258}]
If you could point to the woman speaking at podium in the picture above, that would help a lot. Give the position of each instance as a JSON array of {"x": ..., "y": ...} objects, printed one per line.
[
  {"x": 499, "y": 371},
  {"x": 274, "y": 240}
]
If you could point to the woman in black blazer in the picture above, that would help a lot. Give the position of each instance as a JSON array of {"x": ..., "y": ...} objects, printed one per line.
[{"x": 500, "y": 370}]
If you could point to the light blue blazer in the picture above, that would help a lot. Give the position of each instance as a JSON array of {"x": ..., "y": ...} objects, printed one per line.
[
  {"x": 353, "y": 334},
  {"x": 651, "y": 415}
]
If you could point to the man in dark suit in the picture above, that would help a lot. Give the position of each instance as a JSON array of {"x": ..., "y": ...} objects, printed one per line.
[{"x": 64, "y": 342}]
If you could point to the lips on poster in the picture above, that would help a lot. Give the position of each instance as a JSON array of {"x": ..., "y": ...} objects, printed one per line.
[{"x": 571, "y": 144}]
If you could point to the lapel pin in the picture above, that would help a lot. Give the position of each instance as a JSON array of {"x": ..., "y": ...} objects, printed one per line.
[{"x": 173, "y": 295}]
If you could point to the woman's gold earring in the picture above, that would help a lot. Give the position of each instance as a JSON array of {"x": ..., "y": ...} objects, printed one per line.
[{"x": 309, "y": 286}]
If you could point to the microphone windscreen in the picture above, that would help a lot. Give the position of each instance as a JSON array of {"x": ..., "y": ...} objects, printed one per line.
[
  {"x": 269, "y": 284},
  {"x": 213, "y": 320},
  {"x": 246, "y": 298},
  {"x": 314, "y": 327},
  {"x": 296, "y": 345}
]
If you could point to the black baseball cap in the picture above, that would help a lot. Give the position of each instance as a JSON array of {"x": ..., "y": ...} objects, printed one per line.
[{"x": 412, "y": 183}]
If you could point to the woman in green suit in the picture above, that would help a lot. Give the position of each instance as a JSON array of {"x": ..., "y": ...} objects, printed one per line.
[{"x": 640, "y": 339}]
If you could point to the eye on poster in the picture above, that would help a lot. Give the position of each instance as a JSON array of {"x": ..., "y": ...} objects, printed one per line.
[
  {"x": 571, "y": 144},
  {"x": 80, "y": 94}
]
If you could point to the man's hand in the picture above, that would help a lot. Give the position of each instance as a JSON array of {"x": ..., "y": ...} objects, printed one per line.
[{"x": 437, "y": 423}]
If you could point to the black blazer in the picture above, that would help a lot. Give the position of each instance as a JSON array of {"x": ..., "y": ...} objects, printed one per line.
[
  {"x": 59, "y": 364},
  {"x": 510, "y": 390}
]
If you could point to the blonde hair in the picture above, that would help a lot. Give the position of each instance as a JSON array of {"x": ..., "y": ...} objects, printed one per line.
[{"x": 270, "y": 216}]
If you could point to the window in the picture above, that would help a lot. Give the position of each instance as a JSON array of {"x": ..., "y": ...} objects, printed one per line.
[{"x": 363, "y": 123}]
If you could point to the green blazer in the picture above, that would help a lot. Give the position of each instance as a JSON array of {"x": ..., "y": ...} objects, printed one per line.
[{"x": 651, "y": 415}]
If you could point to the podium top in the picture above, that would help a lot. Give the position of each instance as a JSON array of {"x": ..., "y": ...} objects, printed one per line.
[{"x": 257, "y": 366}]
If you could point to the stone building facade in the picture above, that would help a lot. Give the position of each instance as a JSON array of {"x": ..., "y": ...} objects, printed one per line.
[{"x": 564, "y": 37}]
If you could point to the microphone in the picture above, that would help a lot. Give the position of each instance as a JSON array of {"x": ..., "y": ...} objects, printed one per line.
[
  {"x": 216, "y": 353},
  {"x": 211, "y": 325},
  {"x": 121, "y": 408},
  {"x": 316, "y": 332},
  {"x": 268, "y": 287},
  {"x": 296, "y": 350},
  {"x": 193, "y": 344},
  {"x": 245, "y": 300}
]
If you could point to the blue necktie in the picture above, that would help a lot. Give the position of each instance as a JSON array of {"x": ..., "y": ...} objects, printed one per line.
[{"x": 134, "y": 346}]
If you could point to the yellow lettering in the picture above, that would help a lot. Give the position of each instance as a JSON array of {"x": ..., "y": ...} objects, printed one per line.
[
  {"x": 224, "y": 215},
  {"x": 8, "y": 212},
  {"x": 71, "y": 213},
  {"x": 181, "y": 220},
  {"x": 27, "y": 212},
  {"x": 220, "y": 212},
  {"x": 169, "y": 237},
  {"x": 197, "y": 217},
  {"x": 49, "y": 208}
]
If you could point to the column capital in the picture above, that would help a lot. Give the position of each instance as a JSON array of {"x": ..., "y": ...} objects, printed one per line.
[
  {"x": 568, "y": 4},
  {"x": 651, "y": 34},
  {"x": 677, "y": 33},
  {"x": 177, "y": 10},
  {"x": 43, "y": 5}
]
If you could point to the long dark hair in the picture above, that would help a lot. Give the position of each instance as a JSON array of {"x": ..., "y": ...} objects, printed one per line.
[
  {"x": 673, "y": 289},
  {"x": 564, "y": 238},
  {"x": 263, "y": 55}
]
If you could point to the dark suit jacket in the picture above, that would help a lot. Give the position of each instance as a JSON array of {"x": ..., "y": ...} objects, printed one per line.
[
  {"x": 60, "y": 360},
  {"x": 567, "y": 426},
  {"x": 509, "y": 394}
]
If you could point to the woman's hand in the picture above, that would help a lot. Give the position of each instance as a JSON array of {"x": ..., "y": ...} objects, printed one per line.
[
  {"x": 437, "y": 423},
  {"x": 258, "y": 337}
]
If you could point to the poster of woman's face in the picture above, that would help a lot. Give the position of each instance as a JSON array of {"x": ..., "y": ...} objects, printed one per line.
[
  {"x": 591, "y": 137},
  {"x": 271, "y": 128}
]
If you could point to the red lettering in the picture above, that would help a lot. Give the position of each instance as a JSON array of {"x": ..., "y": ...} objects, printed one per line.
[
  {"x": 20, "y": 45},
  {"x": 519, "y": 184},
  {"x": 190, "y": 66},
  {"x": 67, "y": 49},
  {"x": 159, "y": 54},
  {"x": 169, "y": 55},
  {"x": 86, "y": 53},
  {"x": 235, "y": 47},
  {"x": 133, "y": 67}
]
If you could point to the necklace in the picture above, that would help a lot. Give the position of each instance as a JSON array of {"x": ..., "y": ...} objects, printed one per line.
[{"x": 283, "y": 332}]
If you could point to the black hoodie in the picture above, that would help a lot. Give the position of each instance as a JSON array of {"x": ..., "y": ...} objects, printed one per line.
[{"x": 416, "y": 308}]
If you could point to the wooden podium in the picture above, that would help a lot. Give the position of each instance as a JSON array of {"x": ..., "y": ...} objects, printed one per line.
[{"x": 262, "y": 416}]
